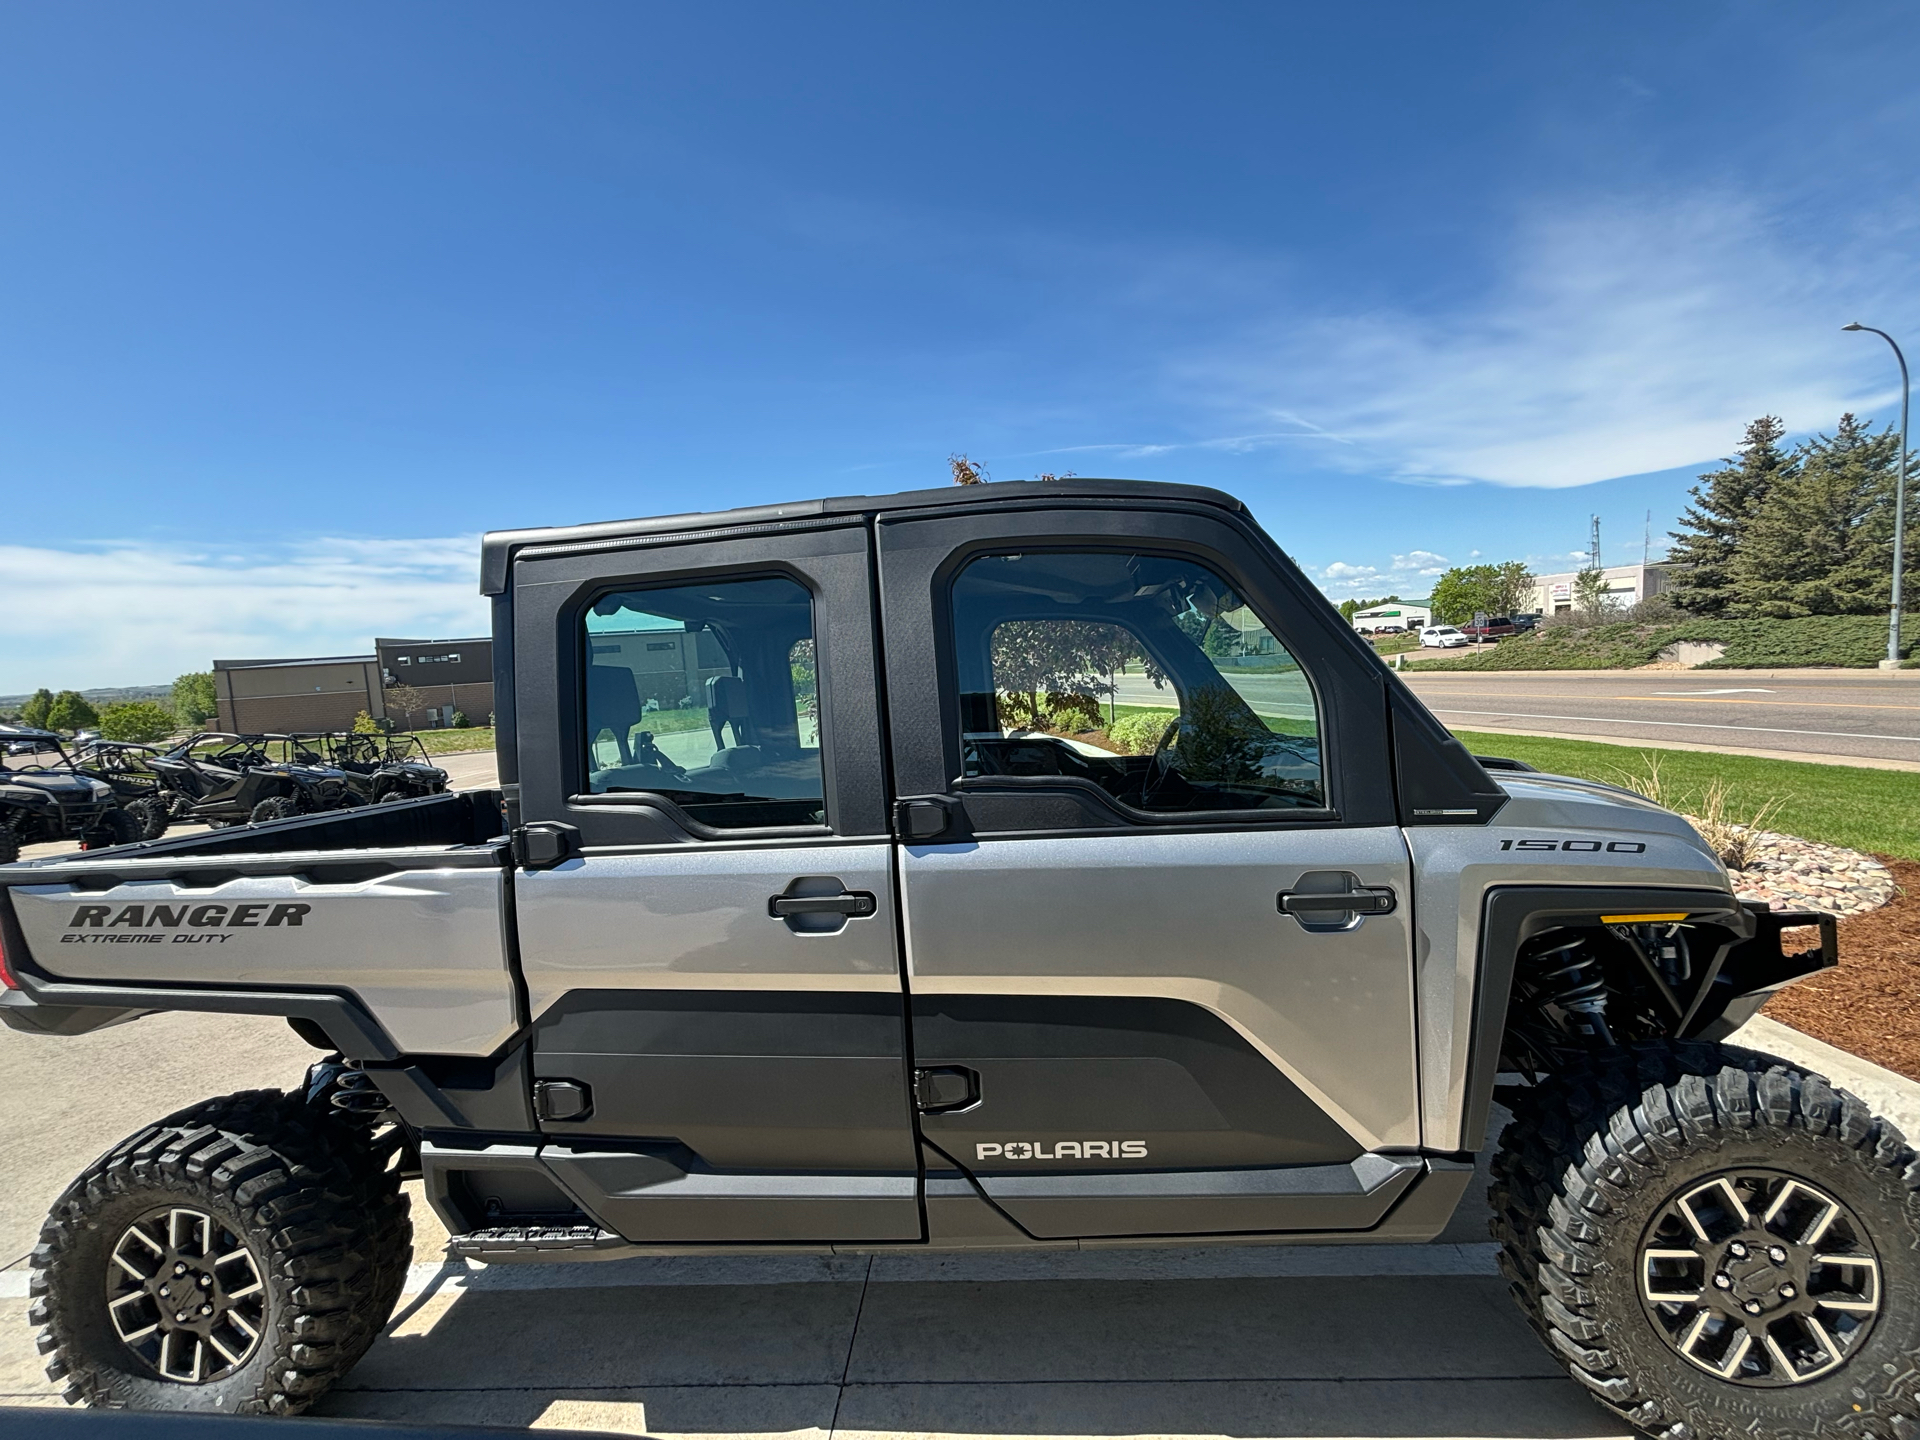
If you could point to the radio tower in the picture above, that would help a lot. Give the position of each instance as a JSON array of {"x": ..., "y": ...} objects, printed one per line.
[{"x": 1593, "y": 544}]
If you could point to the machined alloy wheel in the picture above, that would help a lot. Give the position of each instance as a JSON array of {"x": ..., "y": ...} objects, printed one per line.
[
  {"x": 185, "y": 1294},
  {"x": 1716, "y": 1243},
  {"x": 234, "y": 1258},
  {"x": 1759, "y": 1278}
]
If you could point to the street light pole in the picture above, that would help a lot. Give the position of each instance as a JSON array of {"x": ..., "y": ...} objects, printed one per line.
[{"x": 1899, "y": 498}]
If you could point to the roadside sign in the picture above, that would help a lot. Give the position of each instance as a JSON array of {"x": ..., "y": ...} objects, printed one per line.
[{"x": 1480, "y": 617}]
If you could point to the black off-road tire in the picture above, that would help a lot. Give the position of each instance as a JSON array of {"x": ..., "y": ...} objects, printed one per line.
[
  {"x": 275, "y": 807},
  {"x": 393, "y": 797},
  {"x": 321, "y": 1215},
  {"x": 153, "y": 815},
  {"x": 116, "y": 827},
  {"x": 1597, "y": 1155},
  {"x": 9, "y": 845}
]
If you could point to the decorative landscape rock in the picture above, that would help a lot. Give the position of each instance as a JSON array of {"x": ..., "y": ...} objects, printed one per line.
[{"x": 1789, "y": 873}]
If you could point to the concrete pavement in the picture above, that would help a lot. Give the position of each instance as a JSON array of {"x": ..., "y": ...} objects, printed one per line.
[{"x": 1355, "y": 1341}]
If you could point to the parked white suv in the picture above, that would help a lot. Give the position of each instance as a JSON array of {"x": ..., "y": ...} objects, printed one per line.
[{"x": 1447, "y": 637}]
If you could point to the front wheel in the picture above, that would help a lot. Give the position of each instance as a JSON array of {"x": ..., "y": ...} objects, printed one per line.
[
  {"x": 1717, "y": 1243},
  {"x": 275, "y": 807},
  {"x": 151, "y": 813},
  {"x": 236, "y": 1258},
  {"x": 116, "y": 827}
]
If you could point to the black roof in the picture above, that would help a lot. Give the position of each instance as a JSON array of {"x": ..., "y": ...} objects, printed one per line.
[
  {"x": 498, "y": 547},
  {"x": 27, "y": 732}
]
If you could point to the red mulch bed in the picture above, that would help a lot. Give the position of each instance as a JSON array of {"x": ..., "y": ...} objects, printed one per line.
[{"x": 1870, "y": 1003}]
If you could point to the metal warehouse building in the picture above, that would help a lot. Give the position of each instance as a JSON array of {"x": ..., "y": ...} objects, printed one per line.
[
  {"x": 319, "y": 693},
  {"x": 325, "y": 692},
  {"x": 453, "y": 676}
]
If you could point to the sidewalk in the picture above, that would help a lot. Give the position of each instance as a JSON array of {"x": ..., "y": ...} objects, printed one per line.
[{"x": 1351, "y": 1341}]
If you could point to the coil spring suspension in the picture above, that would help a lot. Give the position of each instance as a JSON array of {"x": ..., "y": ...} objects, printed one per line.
[{"x": 1568, "y": 975}]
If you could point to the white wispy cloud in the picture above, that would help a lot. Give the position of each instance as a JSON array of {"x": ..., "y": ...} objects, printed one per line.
[
  {"x": 1414, "y": 571},
  {"x": 1624, "y": 337},
  {"x": 137, "y": 612}
]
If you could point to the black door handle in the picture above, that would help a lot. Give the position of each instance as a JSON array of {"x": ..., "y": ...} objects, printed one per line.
[
  {"x": 1353, "y": 902},
  {"x": 853, "y": 902}
]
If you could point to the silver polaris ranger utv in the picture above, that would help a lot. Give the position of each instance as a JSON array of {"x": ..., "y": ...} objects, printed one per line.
[{"x": 822, "y": 907}]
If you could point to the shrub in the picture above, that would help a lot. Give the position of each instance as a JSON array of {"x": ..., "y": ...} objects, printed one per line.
[
  {"x": 1855, "y": 641},
  {"x": 1139, "y": 734},
  {"x": 459, "y": 720}
]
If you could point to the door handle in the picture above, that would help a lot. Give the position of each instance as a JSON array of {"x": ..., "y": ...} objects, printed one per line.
[
  {"x": 1353, "y": 902},
  {"x": 853, "y": 902}
]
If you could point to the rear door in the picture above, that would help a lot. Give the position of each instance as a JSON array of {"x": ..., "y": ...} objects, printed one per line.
[
  {"x": 714, "y": 981},
  {"x": 1156, "y": 899}
]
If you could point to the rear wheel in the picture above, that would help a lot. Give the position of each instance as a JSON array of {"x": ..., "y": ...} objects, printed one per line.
[
  {"x": 275, "y": 807},
  {"x": 237, "y": 1258},
  {"x": 9, "y": 845},
  {"x": 393, "y": 797},
  {"x": 1717, "y": 1243}
]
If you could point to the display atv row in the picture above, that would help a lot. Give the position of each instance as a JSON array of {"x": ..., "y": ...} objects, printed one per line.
[
  {"x": 228, "y": 779},
  {"x": 108, "y": 792}
]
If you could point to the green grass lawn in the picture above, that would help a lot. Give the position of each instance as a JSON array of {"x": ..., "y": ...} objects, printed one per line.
[
  {"x": 1877, "y": 810},
  {"x": 452, "y": 742}
]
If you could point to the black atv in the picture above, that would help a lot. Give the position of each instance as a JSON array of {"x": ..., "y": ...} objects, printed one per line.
[
  {"x": 123, "y": 765},
  {"x": 229, "y": 779},
  {"x": 42, "y": 802},
  {"x": 382, "y": 769}
]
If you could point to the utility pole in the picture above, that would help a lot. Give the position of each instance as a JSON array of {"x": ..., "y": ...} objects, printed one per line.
[
  {"x": 1892, "y": 662},
  {"x": 1593, "y": 544}
]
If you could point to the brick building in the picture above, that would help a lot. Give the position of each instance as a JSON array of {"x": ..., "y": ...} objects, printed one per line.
[
  {"x": 321, "y": 693},
  {"x": 452, "y": 677}
]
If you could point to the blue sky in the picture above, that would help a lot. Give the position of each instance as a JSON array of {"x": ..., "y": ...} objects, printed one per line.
[{"x": 295, "y": 301}]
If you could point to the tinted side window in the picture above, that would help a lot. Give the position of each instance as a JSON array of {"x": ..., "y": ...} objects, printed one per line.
[
  {"x": 706, "y": 694},
  {"x": 1147, "y": 675}
]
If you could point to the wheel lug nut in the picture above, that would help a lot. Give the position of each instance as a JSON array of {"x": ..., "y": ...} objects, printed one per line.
[
  {"x": 206, "y": 1282},
  {"x": 180, "y": 1269},
  {"x": 1787, "y": 1292},
  {"x": 1737, "y": 1250},
  {"x": 1777, "y": 1254},
  {"x": 206, "y": 1309},
  {"x": 181, "y": 1318},
  {"x": 1723, "y": 1281},
  {"x": 1752, "y": 1307}
]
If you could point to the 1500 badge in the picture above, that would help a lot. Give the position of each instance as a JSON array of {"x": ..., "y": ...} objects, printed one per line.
[{"x": 1579, "y": 847}]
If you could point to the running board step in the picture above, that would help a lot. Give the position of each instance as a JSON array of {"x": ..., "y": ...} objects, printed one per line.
[{"x": 519, "y": 1241}]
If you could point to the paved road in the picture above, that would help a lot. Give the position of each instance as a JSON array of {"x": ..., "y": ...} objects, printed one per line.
[
  {"x": 1864, "y": 718},
  {"x": 1814, "y": 716}
]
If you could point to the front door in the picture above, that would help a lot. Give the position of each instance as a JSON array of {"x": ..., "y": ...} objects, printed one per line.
[
  {"x": 714, "y": 984},
  {"x": 1156, "y": 902}
]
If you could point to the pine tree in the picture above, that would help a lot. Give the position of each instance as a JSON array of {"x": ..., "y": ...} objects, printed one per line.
[
  {"x": 1724, "y": 503},
  {"x": 1867, "y": 575},
  {"x": 1801, "y": 551}
]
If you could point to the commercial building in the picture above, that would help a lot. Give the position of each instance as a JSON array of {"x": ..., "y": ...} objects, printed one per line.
[
  {"x": 1395, "y": 612},
  {"x": 451, "y": 677},
  {"x": 1626, "y": 585},
  {"x": 319, "y": 693}
]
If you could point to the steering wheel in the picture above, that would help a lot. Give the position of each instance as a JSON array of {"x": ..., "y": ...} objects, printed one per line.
[{"x": 1160, "y": 767}]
